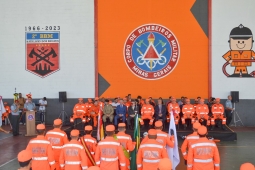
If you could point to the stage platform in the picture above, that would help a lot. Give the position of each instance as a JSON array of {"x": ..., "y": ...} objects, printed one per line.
[{"x": 217, "y": 133}]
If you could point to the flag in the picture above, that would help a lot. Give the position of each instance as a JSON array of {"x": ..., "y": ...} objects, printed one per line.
[
  {"x": 173, "y": 153},
  {"x": 100, "y": 127},
  {"x": 2, "y": 108},
  {"x": 90, "y": 157},
  {"x": 136, "y": 136}
]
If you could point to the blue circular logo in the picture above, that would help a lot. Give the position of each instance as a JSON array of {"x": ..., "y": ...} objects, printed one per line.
[
  {"x": 30, "y": 117},
  {"x": 151, "y": 51}
]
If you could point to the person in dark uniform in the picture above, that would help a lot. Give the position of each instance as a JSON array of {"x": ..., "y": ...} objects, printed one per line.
[{"x": 15, "y": 118}]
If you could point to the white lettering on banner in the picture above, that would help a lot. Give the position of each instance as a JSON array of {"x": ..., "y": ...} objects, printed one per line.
[
  {"x": 128, "y": 54},
  {"x": 175, "y": 50},
  {"x": 162, "y": 72},
  {"x": 140, "y": 72},
  {"x": 132, "y": 37},
  {"x": 154, "y": 28}
]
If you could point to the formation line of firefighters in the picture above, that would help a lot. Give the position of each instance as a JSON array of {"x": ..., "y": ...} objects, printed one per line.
[
  {"x": 52, "y": 150},
  {"x": 125, "y": 109}
]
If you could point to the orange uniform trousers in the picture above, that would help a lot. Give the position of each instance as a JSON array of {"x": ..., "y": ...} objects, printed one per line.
[
  {"x": 218, "y": 116},
  {"x": 146, "y": 116}
]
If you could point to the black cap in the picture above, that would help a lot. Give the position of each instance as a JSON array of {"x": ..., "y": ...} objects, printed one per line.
[{"x": 240, "y": 32}]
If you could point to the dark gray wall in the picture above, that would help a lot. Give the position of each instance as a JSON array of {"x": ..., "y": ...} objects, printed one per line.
[{"x": 245, "y": 109}]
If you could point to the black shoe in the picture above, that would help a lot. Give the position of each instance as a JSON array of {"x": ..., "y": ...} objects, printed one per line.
[
  {"x": 246, "y": 75},
  {"x": 234, "y": 75}
]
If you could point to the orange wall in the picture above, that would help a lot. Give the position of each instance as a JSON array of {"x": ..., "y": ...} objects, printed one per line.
[{"x": 117, "y": 19}]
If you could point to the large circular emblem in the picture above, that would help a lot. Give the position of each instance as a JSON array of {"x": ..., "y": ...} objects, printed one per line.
[{"x": 151, "y": 51}]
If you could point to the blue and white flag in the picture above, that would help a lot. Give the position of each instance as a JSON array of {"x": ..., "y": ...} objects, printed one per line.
[{"x": 173, "y": 153}]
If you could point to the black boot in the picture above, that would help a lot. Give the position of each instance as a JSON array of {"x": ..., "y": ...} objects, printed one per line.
[{"x": 224, "y": 127}]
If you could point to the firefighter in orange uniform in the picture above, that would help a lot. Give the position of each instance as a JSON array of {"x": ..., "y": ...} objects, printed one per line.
[
  {"x": 150, "y": 153},
  {"x": 57, "y": 138},
  {"x": 90, "y": 142},
  {"x": 188, "y": 111},
  {"x": 88, "y": 105},
  {"x": 162, "y": 137},
  {"x": 79, "y": 111},
  {"x": 203, "y": 153},
  {"x": 202, "y": 112},
  {"x": 100, "y": 102},
  {"x": 24, "y": 159},
  {"x": 126, "y": 142},
  {"x": 165, "y": 164},
  {"x": 94, "y": 110},
  {"x": 126, "y": 102},
  {"x": 73, "y": 155},
  {"x": 240, "y": 43},
  {"x": 188, "y": 140},
  {"x": 109, "y": 153},
  {"x": 247, "y": 166},
  {"x": 94, "y": 168},
  {"x": 218, "y": 113},
  {"x": 173, "y": 107},
  {"x": 147, "y": 112},
  {"x": 41, "y": 150},
  {"x": 6, "y": 114}
]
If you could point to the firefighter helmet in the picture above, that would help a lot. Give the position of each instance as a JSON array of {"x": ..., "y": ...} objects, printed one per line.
[{"x": 240, "y": 32}]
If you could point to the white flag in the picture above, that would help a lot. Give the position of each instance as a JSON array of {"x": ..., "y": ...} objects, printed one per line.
[
  {"x": 173, "y": 153},
  {"x": 2, "y": 109}
]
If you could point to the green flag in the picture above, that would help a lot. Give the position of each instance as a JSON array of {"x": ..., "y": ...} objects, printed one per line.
[{"x": 133, "y": 165}]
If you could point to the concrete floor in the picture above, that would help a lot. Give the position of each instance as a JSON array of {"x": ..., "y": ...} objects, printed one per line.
[{"x": 232, "y": 154}]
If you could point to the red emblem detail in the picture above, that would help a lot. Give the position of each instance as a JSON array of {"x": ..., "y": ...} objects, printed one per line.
[{"x": 42, "y": 58}]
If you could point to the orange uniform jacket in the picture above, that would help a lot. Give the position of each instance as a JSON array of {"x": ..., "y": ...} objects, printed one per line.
[
  {"x": 202, "y": 109},
  {"x": 173, "y": 106},
  {"x": 109, "y": 155},
  {"x": 42, "y": 153},
  {"x": 217, "y": 109},
  {"x": 79, "y": 109},
  {"x": 147, "y": 109},
  {"x": 57, "y": 138},
  {"x": 88, "y": 106},
  {"x": 188, "y": 109},
  {"x": 239, "y": 55},
  {"x": 163, "y": 138},
  {"x": 149, "y": 155},
  {"x": 91, "y": 143},
  {"x": 186, "y": 144},
  {"x": 126, "y": 141},
  {"x": 8, "y": 111},
  {"x": 94, "y": 109},
  {"x": 203, "y": 154},
  {"x": 73, "y": 157}
]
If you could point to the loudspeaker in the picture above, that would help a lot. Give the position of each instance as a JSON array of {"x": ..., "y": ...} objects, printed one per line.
[
  {"x": 235, "y": 96},
  {"x": 62, "y": 96}
]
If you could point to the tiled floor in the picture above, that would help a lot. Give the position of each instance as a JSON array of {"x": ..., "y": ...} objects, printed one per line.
[{"x": 232, "y": 154}]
